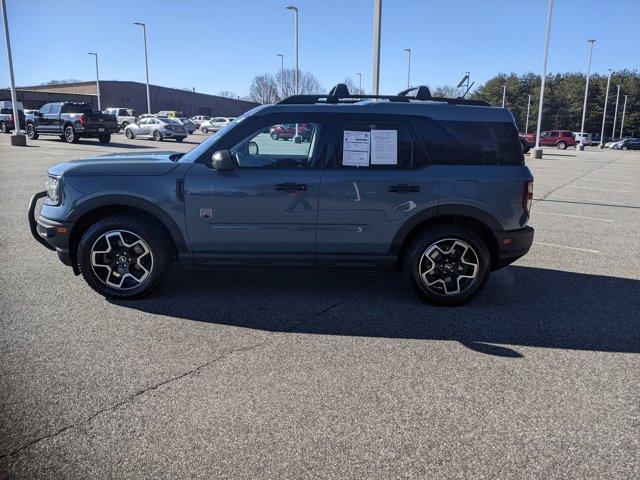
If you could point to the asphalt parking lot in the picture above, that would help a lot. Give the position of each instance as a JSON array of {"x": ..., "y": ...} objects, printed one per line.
[{"x": 330, "y": 375}]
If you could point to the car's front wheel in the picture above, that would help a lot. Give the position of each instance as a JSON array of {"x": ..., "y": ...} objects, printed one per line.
[
  {"x": 447, "y": 264},
  {"x": 204, "y": 130},
  {"x": 4, "y": 128},
  {"x": 129, "y": 134},
  {"x": 123, "y": 256},
  {"x": 157, "y": 136},
  {"x": 561, "y": 145},
  {"x": 625, "y": 148}
]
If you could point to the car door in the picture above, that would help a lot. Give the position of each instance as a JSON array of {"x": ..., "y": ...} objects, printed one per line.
[
  {"x": 263, "y": 211},
  {"x": 376, "y": 178},
  {"x": 52, "y": 119}
]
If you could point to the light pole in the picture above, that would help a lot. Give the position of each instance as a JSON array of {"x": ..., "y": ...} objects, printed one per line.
[
  {"x": 537, "y": 151},
  {"x": 615, "y": 115},
  {"x": 580, "y": 145},
  {"x": 526, "y": 128},
  {"x": 97, "y": 78},
  {"x": 377, "y": 26},
  {"x": 504, "y": 94},
  {"x": 17, "y": 139},
  {"x": 408, "y": 50},
  {"x": 604, "y": 113},
  {"x": 359, "y": 82},
  {"x": 295, "y": 10},
  {"x": 624, "y": 111},
  {"x": 281, "y": 64},
  {"x": 146, "y": 62}
]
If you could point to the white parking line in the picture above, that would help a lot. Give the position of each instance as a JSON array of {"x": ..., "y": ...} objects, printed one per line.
[
  {"x": 606, "y": 181},
  {"x": 600, "y": 189},
  {"x": 566, "y": 246},
  {"x": 588, "y": 200},
  {"x": 575, "y": 216}
]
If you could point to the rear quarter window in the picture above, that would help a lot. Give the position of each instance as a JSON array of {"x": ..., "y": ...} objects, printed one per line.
[{"x": 470, "y": 143}]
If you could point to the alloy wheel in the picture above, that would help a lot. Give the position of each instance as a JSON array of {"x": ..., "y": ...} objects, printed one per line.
[{"x": 449, "y": 267}]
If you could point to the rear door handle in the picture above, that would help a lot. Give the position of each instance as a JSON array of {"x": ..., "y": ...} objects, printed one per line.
[
  {"x": 403, "y": 188},
  {"x": 291, "y": 187}
]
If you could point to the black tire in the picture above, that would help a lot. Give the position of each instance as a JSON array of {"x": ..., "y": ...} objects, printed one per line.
[
  {"x": 625, "y": 148},
  {"x": 70, "y": 135},
  {"x": 274, "y": 136},
  {"x": 4, "y": 128},
  {"x": 31, "y": 132},
  {"x": 124, "y": 125},
  {"x": 561, "y": 145},
  {"x": 157, "y": 136},
  {"x": 151, "y": 234},
  {"x": 106, "y": 138},
  {"x": 179, "y": 139},
  {"x": 414, "y": 261},
  {"x": 129, "y": 134}
]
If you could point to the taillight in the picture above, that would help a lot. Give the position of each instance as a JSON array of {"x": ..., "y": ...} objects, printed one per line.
[
  {"x": 82, "y": 119},
  {"x": 527, "y": 196}
]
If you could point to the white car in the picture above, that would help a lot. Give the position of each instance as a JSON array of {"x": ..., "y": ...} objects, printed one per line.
[
  {"x": 215, "y": 124},
  {"x": 124, "y": 116},
  {"x": 198, "y": 119},
  {"x": 158, "y": 128}
]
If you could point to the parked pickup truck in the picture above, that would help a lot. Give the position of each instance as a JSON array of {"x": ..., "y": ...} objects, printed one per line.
[
  {"x": 124, "y": 116},
  {"x": 71, "y": 121},
  {"x": 7, "y": 122}
]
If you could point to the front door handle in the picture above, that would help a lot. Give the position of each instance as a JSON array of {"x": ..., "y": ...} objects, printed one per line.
[
  {"x": 403, "y": 188},
  {"x": 291, "y": 187}
]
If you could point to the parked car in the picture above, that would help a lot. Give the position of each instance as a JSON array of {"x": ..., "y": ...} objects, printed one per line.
[
  {"x": 7, "y": 120},
  {"x": 628, "y": 144},
  {"x": 553, "y": 138},
  {"x": 215, "y": 124},
  {"x": 288, "y": 132},
  {"x": 28, "y": 111},
  {"x": 124, "y": 116},
  {"x": 188, "y": 124},
  {"x": 170, "y": 113},
  {"x": 437, "y": 189},
  {"x": 158, "y": 128},
  {"x": 71, "y": 121},
  {"x": 198, "y": 119},
  {"x": 588, "y": 139}
]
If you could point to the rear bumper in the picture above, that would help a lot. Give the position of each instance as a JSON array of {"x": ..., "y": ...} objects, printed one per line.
[{"x": 512, "y": 244}]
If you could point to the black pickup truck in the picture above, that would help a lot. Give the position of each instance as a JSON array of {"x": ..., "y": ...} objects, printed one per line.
[{"x": 71, "y": 121}]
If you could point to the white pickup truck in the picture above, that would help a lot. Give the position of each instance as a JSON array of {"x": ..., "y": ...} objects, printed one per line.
[{"x": 125, "y": 116}]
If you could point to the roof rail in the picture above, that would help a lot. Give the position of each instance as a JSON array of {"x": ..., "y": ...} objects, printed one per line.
[{"x": 340, "y": 94}]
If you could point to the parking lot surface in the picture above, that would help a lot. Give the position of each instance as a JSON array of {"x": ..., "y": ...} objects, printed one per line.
[{"x": 298, "y": 374}]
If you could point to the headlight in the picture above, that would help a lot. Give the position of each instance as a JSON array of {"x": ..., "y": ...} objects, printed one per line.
[{"x": 52, "y": 185}]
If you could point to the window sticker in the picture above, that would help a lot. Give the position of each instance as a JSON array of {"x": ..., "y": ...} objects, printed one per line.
[
  {"x": 384, "y": 147},
  {"x": 355, "y": 148}
]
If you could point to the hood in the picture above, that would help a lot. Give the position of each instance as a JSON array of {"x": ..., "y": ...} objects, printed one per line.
[{"x": 126, "y": 164}]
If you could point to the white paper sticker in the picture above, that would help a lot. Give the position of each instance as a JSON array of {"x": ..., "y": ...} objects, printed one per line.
[
  {"x": 355, "y": 148},
  {"x": 384, "y": 147}
]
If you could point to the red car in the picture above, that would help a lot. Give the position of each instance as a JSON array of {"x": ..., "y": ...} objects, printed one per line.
[
  {"x": 288, "y": 131},
  {"x": 553, "y": 138}
]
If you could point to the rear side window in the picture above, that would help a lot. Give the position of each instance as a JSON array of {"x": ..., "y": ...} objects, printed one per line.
[
  {"x": 470, "y": 143},
  {"x": 570, "y": 135},
  {"x": 76, "y": 108}
]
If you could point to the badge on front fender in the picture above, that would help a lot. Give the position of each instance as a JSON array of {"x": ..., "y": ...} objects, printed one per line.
[{"x": 206, "y": 213}]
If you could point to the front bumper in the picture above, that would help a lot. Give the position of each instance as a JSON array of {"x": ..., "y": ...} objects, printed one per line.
[
  {"x": 51, "y": 234},
  {"x": 512, "y": 244}
]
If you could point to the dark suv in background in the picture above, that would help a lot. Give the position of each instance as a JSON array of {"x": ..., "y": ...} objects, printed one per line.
[{"x": 434, "y": 187}]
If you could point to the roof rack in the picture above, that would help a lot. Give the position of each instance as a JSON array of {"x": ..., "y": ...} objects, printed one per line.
[{"x": 340, "y": 94}]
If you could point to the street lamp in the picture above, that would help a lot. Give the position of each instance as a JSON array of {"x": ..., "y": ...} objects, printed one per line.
[
  {"x": 97, "y": 78},
  {"x": 580, "y": 145},
  {"x": 295, "y": 10},
  {"x": 615, "y": 115},
  {"x": 17, "y": 139},
  {"x": 377, "y": 26},
  {"x": 408, "y": 50},
  {"x": 526, "y": 128},
  {"x": 281, "y": 65},
  {"x": 146, "y": 62},
  {"x": 604, "y": 113},
  {"x": 360, "y": 82},
  {"x": 504, "y": 94},
  {"x": 537, "y": 151},
  {"x": 624, "y": 111}
]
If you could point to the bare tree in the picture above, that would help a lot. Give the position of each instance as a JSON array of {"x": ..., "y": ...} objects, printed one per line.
[
  {"x": 447, "y": 91},
  {"x": 353, "y": 88},
  {"x": 227, "y": 94},
  {"x": 286, "y": 84},
  {"x": 264, "y": 89}
]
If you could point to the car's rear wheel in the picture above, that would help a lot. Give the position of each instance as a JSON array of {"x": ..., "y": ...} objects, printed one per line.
[
  {"x": 70, "y": 135},
  {"x": 274, "y": 136},
  {"x": 129, "y": 134},
  {"x": 204, "y": 130},
  {"x": 4, "y": 128},
  {"x": 123, "y": 256},
  {"x": 31, "y": 132},
  {"x": 179, "y": 139},
  {"x": 625, "y": 148},
  {"x": 447, "y": 264},
  {"x": 561, "y": 145},
  {"x": 157, "y": 136},
  {"x": 106, "y": 138},
  {"x": 124, "y": 125}
]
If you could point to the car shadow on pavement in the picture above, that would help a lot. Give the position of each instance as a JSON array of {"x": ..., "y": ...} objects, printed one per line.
[{"x": 520, "y": 306}]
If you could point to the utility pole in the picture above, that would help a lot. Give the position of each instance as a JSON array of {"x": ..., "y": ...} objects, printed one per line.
[
  {"x": 604, "y": 113},
  {"x": 17, "y": 139},
  {"x": 408, "y": 50},
  {"x": 97, "y": 78},
  {"x": 359, "y": 81},
  {"x": 504, "y": 94},
  {"x": 377, "y": 26},
  {"x": 580, "y": 145},
  {"x": 146, "y": 62},
  {"x": 295, "y": 11},
  {"x": 526, "y": 128},
  {"x": 624, "y": 111},
  {"x": 537, "y": 151},
  {"x": 615, "y": 115}
]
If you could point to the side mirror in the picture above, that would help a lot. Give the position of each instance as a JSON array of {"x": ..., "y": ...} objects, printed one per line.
[
  {"x": 252, "y": 148},
  {"x": 223, "y": 160}
]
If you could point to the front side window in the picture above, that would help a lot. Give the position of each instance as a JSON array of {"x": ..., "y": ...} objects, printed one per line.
[
  {"x": 279, "y": 146},
  {"x": 55, "y": 108}
]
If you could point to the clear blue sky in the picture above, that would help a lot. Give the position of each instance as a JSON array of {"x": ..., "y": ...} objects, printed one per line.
[{"x": 221, "y": 45}]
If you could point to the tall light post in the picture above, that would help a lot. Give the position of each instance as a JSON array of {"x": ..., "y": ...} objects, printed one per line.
[
  {"x": 295, "y": 11},
  {"x": 281, "y": 64},
  {"x": 537, "y": 151},
  {"x": 624, "y": 111},
  {"x": 146, "y": 62},
  {"x": 526, "y": 128},
  {"x": 377, "y": 26},
  {"x": 359, "y": 81},
  {"x": 580, "y": 145},
  {"x": 615, "y": 115},
  {"x": 504, "y": 94},
  {"x": 408, "y": 50},
  {"x": 97, "y": 78},
  {"x": 604, "y": 113},
  {"x": 17, "y": 139}
]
